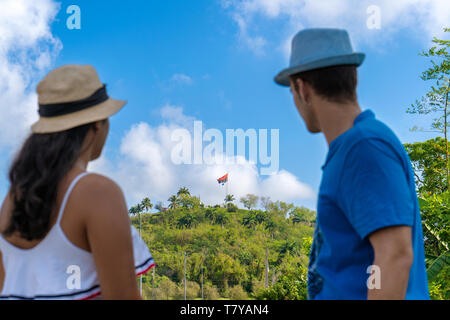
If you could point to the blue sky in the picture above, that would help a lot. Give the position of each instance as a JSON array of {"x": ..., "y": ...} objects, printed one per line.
[{"x": 215, "y": 61}]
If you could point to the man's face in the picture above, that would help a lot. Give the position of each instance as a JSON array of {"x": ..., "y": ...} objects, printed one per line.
[{"x": 306, "y": 110}]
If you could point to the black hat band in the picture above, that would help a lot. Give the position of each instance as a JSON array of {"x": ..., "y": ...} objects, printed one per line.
[{"x": 60, "y": 109}]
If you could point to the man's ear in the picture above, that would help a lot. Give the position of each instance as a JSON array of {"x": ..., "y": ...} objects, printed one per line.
[{"x": 304, "y": 90}]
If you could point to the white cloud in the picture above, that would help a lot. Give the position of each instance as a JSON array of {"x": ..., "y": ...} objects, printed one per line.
[
  {"x": 27, "y": 49},
  {"x": 254, "y": 43},
  {"x": 175, "y": 115},
  {"x": 145, "y": 168},
  {"x": 284, "y": 185},
  {"x": 182, "y": 78},
  {"x": 420, "y": 18}
]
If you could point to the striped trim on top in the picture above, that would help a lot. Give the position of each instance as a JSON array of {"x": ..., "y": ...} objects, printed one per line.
[
  {"x": 74, "y": 295},
  {"x": 87, "y": 294}
]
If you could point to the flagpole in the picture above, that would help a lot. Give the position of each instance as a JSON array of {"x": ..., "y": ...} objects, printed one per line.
[
  {"x": 226, "y": 187},
  {"x": 223, "y": 181}
]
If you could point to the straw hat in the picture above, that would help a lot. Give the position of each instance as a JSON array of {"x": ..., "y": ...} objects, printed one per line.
[{"x": 71, "y": 96}]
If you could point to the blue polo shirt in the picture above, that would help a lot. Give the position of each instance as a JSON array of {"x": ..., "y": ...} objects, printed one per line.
[{"x": 367, "y": 184}]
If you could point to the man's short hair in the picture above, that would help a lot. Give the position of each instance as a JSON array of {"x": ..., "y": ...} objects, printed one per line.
[{"x": 337, "y": 83}]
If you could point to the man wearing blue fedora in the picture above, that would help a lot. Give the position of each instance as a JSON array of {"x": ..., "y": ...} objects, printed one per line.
[{"x": 368, "y": 241}]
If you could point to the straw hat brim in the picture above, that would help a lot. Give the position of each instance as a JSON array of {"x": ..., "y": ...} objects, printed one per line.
[{"x": 68, "y": 121}]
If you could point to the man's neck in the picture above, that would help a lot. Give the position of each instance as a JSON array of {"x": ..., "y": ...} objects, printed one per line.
[{"x": 335, "y": 118}]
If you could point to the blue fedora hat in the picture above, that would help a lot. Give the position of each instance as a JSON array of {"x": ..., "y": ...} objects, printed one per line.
[{"x": 319, "y": 48}]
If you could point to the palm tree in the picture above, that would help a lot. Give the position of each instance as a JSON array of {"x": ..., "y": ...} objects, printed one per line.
[
  {"x": 229, "y": 203},
  {"x": 210, "y": 214},
  {"x": 137, "y": 209},
  {"x": 173, "y": 202},
  {"x": 261, "y": 217},
  {"x": 250, "y": 220},
  {"x": 222, "y": 218},
  {"x": 159, "y": 206},
  {"x": 133, "y": 210},
  {"x": 188, "y": 221},
  {"x": 183, "y": 190},
  {"x": 270, "y": 226},
  {"x": 146, "y": 204},
  {"x": 229, "y": 198}
]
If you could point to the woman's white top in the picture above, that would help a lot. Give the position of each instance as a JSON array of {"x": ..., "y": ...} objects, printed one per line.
[{"x": 56, "y": 269}]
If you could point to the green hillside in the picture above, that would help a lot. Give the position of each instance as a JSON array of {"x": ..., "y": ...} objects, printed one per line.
[{"x": 228, "y": 246}]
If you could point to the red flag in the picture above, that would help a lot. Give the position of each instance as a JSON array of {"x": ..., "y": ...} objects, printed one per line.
[{"x": 223, "y": 179}]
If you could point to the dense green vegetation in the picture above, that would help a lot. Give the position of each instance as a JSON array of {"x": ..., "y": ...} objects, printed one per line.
[
  {"x": 431, "y": 163},
  {"x": 428, "y": 159},
  {"x": 227, "y": 247}
]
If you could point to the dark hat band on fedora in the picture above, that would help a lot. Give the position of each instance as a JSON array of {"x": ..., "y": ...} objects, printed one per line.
[
  {"x": 318, "y": 48},
  {"x": 60, "y": 109}
]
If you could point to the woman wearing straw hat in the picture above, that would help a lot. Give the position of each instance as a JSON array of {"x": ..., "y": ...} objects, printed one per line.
[{"x": 64, "y": 232}]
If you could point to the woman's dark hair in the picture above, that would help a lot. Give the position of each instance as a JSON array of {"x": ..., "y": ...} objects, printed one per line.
[
  {"x": 337, "y": 83},
  {"x": 35, "y": 176}
]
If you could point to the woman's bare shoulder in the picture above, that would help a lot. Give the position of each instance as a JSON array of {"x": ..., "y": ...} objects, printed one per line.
[
  {"x": 95, "y": 180},
  {"x": 98, "y": 192},
  {"x": 5, "y": 211}
]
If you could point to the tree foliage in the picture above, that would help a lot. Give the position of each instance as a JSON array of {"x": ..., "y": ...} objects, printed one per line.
[
  {"x": 435, "y": 101},
  {"x": 430, "y": 160},
  {"x": 429, "y": 164},
  {"x": 249, "y": 201}
]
